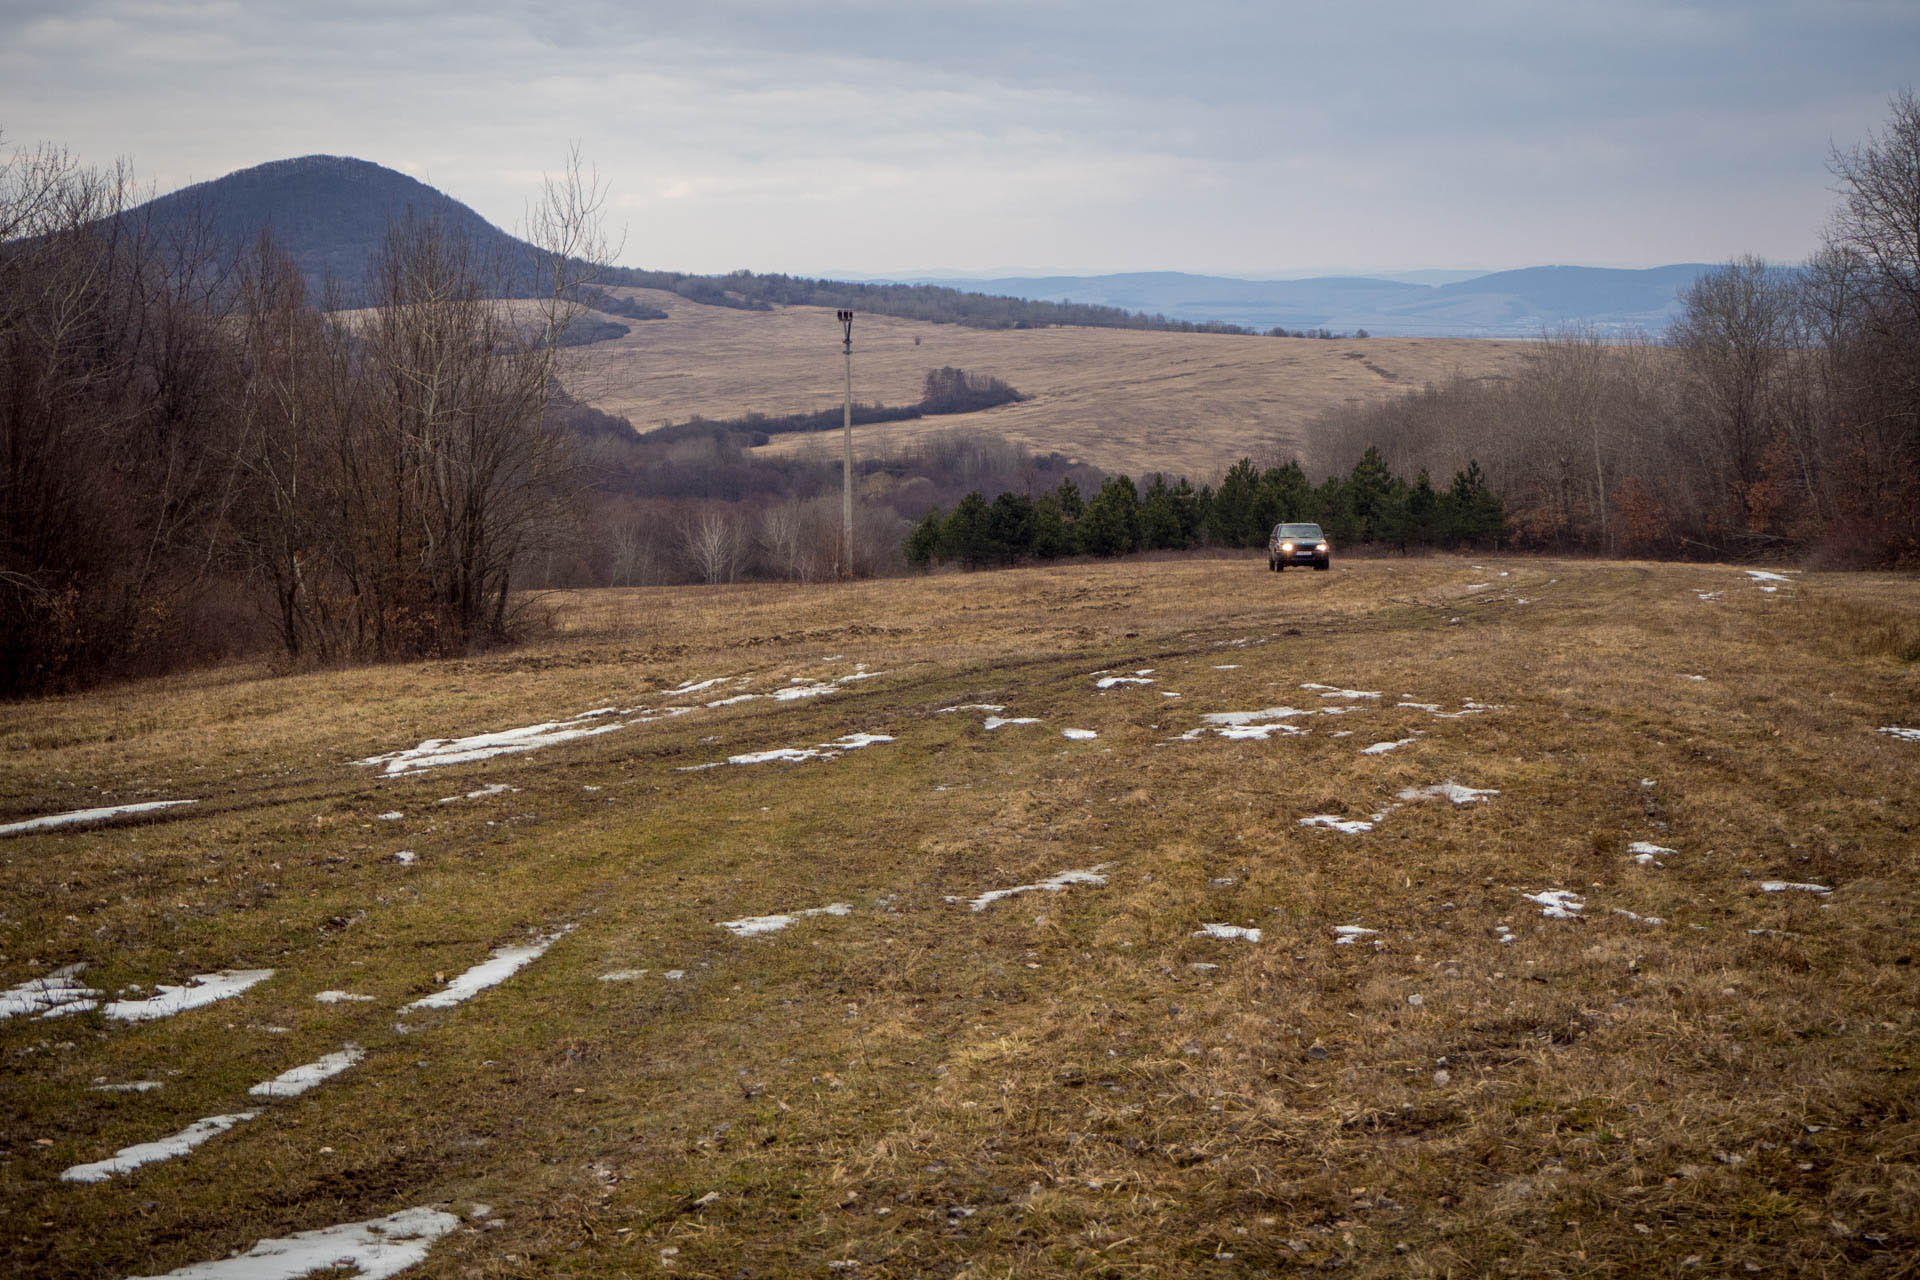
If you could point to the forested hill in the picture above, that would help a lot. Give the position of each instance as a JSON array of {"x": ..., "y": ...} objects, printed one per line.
[{"x": 330, "y": 214}]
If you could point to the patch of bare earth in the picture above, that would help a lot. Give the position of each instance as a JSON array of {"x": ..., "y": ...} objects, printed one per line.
[{"x": 1491, "y": 1033}]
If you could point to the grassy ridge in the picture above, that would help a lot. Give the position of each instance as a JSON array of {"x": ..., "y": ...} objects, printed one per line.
[{"x": 1050, "y": 1085}]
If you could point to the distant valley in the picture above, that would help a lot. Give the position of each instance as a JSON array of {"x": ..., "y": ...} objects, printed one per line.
[{"x": 1501, "y": 304}]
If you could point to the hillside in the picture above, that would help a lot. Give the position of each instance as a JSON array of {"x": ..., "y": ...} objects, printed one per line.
[
  {"x": 330, "y": 214},
  {"x": 1457, "y": 917},
  {"x": 1122, "y": 400}
]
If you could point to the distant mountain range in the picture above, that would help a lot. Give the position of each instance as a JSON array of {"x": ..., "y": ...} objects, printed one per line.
[
  {"x": 1502, "y": 304},
  {"x": 330, "y": 214}
]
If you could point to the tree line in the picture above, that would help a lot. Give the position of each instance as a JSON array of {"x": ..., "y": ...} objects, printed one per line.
[
  {"x": 1780, "y": 416},
  {"x": 1368, "y": 505},
  {"x": 187, "y": 446},
  {"x": 947, "y": 390}
]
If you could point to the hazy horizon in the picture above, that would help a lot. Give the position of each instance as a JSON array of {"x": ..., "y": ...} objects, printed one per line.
[{"x": 824, "y": 138}]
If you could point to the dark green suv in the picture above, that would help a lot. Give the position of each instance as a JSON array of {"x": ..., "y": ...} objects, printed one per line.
[{"x": 1297, "y": 544}]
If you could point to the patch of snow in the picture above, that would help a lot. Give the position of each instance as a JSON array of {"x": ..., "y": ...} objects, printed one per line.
[
  {"x": 1052, "y": 884},
  {"x": 995, "y": 722},
  {"x": 1786, "y": 886},
  {"x": 1449, "y": 790},
  {"x": 341, "y": 997},
  {"x": 406, "y": 857},
  {"x": 1906, "y": 735},
  {"x": 624, "y": 975},
  {"x": 674, "y": 975},
  {"x": 824, "y": 751},
  {"x": 436, "y": 753},
  {"x": 1761, "y": 575},
  {"x": 134, "y": 1086},
  {"x": 1622, "y": 911},
  {"x": 392, "y": 815},
  {"x": 1201, "y": 966},
  {"x": 1108, "y": 682},
  {"x": 1226, "y": 666},
  {"x": 697, "y": 686},
  {"x": 795, "y": 692},
  {"x": 1467, "y": 708},
  {"x": 498, "y": 788},
  {"x": 1345, "y": 935},
  {"x": 1479, "y": 586},
  {"x": 1503, "y": 933},
  {"x": 755, "y": 926},
  {"x": 1227, "y": 932},
  {"x": 1333, "y": 822},
  {"x": 56, "y": 995},
  {"x": 1707, "y": 595},
  {"x": 1329, "y": 691},
  {"x": 1079, "y": 735},
  {"x": 82, "y": 817},
  {"x": 1253, "y": 717},
  {"x": 1701, "y": 679},
  {"x": 736, "y": 699},
  {"x": 1648, "y": 854},
  {"x": 1381, "y": 748},
  {"x": 503, "y": 964},
  {"x": 970, "y": 706},
  {"x": 201, "y": 989},
  {"x": 294, "y": 1082},
  {"x": 128, "y": 1159},
  {"x": 1558, "y": 904},
  {"x": 374, "y": 1250}
]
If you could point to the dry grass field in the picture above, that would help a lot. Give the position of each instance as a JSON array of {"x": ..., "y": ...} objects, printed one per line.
[
  {"x": 1125, "y": 401},
  {"x": 1610, "y": 973}
]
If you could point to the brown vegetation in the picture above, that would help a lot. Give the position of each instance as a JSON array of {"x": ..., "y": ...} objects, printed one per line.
[
  {"x": 1058, "y": 1084},
  {"x": 1124, "y": 401}
]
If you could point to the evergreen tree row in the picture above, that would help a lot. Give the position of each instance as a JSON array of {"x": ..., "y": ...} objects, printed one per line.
[{"x": 1368, "y": 505}]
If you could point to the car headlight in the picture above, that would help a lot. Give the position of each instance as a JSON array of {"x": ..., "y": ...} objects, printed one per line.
[
  {"x": 1320, "y": 546},
  {"x": 1286, "y": 546}
]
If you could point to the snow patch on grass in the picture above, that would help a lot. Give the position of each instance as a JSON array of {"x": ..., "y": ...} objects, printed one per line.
[
  {"x": 374, "y": 1250},
  {"x": 1449, "y": 790},
  {"x": 1906, "y": 735},
  {"x": 1331, "y": 691},
  {"x": 996, "y": 722},
  {"x": 1052, "y": 884},
  {"x": 1079, "y": 735},
  {"x": 498, "y": 788},
  {"x": 294, "y": 1082},
  {"x": 1334, "y": 822},
  {"x": 1791, "y": 886},
  {"x": 501, "y": 965},
  {"x": 1345, "y": 935},
  {"x": 340, "y": 997},
  {"x": 437, "y": 753},
  {"x": 201, "y": 989},
  {"x": 1558, "y": 904},
  {"x": 56, "y": 995},
  {"x": 84, "y": 817},
  {"x": 793, "y": 755},
  {"x": 128, "y": 1159},
  {"x": 1227, "y": 932},
  {"x": 1381, "y": 748},
  {"x": 755, "y": 926}
]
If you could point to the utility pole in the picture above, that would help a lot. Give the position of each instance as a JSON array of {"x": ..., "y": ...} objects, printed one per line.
[{"x": 846, "y": 439}]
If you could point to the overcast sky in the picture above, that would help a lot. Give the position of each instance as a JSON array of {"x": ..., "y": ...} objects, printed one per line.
[{"x": 885, "y": 136}]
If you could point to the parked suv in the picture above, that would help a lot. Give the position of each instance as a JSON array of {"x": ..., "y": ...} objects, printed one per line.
[{"x": 1297, "y": 544}]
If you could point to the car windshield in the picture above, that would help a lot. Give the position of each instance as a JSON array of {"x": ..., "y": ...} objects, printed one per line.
[{"x": 1300, "y": 532}]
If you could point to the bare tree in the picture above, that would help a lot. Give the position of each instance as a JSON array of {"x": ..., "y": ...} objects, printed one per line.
[{"x": 713, "y": 545}]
